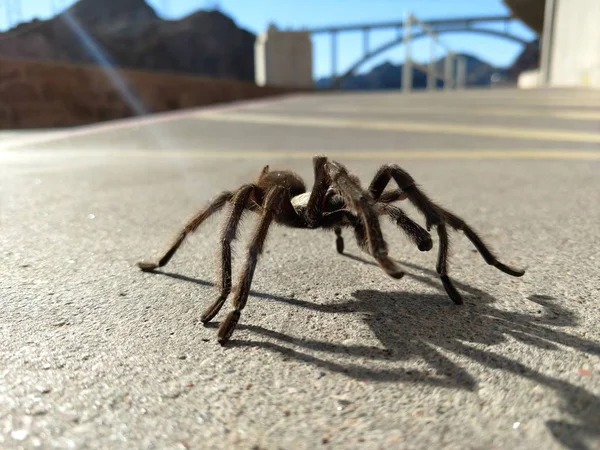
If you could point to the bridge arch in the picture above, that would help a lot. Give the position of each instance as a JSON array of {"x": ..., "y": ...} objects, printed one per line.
[{"x": 398, "y": 41}]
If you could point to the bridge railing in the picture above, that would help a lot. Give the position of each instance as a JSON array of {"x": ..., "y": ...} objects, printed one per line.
[
  {"x": 451, "y": 59},
  {"x": 280, "y": 58}
]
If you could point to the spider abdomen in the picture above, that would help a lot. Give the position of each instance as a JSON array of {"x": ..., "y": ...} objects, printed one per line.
[{"x": 284, "y": 178}]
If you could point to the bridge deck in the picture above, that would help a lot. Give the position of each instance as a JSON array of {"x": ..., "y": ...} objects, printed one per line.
[{"x": 329, "y": 349}]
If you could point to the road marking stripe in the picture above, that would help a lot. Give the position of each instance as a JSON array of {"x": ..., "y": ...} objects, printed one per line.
[
  {"x": 537, "y": 154},
  {"x": 569, "y": 114},
  {"x": 499, "y": 100},
  {"x": 413, "y": 127},
  {"x": 395, "y": 98}
]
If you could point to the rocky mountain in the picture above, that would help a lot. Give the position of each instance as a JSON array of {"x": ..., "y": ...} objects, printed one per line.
[
  {"x": 528, "y": 59},
  {"x": 389, "y": 76},
  {"x": 130, "y": 34},
  {"x": 383, "y": 76},
  {"x": 115, "y": 16}
]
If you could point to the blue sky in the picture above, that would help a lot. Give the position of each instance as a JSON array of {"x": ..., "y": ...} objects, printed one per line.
[{"x": 255, "y": 15}]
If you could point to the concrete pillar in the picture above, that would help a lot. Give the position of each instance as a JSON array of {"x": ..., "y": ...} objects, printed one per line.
[
  {"x": 449, "y": 71},
  {"x": 529, "y": 79},
  {"x": 283, "y": 58},
  {"x": 366, "y": 33},
  {"x": 407, "y": 68},
  {"x": 574, "y": 47},
  {"x": 461, "y": 72},
  {"x": 334, "y": 57},
  {"x": 432, "y": 69}
]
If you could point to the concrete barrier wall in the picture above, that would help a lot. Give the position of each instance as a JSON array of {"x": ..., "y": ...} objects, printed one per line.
[
  {"x": 47, "y": 94},
  {"x": 575, "y": 55},
  {"x": 529, "y": 79},
  {"x": 284, "y": 58}
]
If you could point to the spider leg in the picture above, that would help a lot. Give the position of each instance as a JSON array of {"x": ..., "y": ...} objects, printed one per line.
[
  {"x": 431, "y": 211},
  {"x": 442, "y": 265},
  {"x": 344, "y": 218},
  {"x": 318, "y": 198},
  {"x": 273, "y": 201},
  {"x": 228, "y": 235},
  {"x": 460, "y": 225},
  {"x": 413, "y": 230},
  {"x": 339, "y": 240},
  {"x": 191, "y": 226},
  {"x": 329, "y": 205},
  {"x": 314, "y": 208},
  {"x": 436, "y": 216},
  {"x": 349, "y": 187},
  {"x": 392, "y": 196}
]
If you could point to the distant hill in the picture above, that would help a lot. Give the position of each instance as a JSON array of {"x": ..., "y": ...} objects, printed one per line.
[
  {"x": 479, "y": 73},
  {"x": 528, "y": 59},
  {"x": 384, "y": 76},
  {"x": 389, "y": 76},
  {"x": 134, "y": 36}
]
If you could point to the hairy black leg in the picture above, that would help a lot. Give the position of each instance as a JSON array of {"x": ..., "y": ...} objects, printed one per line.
[
  {"x": 420, "y": 236},
  {"x": 413, "y": 230},
  {"x": 314, "y": 208},
  {"x": 434, "y": 214},
  {"x": 190, "y": 227},
  {"x": 459, "y": 225},
  {"x": 228, "y": 235},
  {"x": 406, "y": 183},
  {"x": 340, "y": 219},
  {"x": 392, "y": 196},
  {"x": 442, "y": 264},
  {"x": 273, "y": 201},
  {"x": 339, "y": 240},
  {"x": 437, "y": 216},
  {"x": 361, "y": 201}
]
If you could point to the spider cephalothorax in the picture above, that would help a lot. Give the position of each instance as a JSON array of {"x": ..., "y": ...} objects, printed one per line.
[{"x": 336, "y": 201}]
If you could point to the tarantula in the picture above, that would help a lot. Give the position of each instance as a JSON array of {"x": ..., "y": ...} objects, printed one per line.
[{"x": 336, "y": 201}]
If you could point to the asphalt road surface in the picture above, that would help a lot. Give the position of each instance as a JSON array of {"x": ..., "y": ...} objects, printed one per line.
[{"x": 330, "y": 352}]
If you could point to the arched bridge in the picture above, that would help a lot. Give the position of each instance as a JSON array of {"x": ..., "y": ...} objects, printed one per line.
[{"x": 439, "y": 26}]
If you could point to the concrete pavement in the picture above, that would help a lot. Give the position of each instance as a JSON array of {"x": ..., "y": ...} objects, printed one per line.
[{"x": 330, "y": 352}]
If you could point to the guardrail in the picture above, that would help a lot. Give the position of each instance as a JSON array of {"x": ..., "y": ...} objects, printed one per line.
[{"x": 451, "y": 59}]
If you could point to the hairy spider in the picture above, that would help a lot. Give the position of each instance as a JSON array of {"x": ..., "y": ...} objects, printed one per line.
[{"x": 336, "y": 201}]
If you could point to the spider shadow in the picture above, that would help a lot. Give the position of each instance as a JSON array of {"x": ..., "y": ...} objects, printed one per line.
[
  {"x": 429, "y": 327},
  {"x": 200, "y": 282}
]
